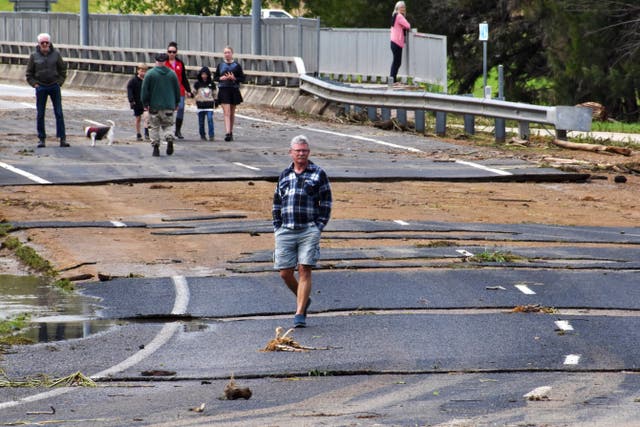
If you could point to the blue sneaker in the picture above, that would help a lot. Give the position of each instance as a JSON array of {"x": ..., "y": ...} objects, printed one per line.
[{"x": 300, "y": 321}]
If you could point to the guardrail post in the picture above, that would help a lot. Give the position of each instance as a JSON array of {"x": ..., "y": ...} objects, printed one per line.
[
  {"x": 469, "y": 121},
  {"x": 523, "y": 130},
  {"x": 385, "y": 113},
  {"x": 402, "y": 116},
  {"x": 372, "y": 113},
  {"x": 441, "y": 123},
  {"x": 469, "y": 124},
  {"x": 420, "y": 122},
  {"x": 500, "y": 130}
]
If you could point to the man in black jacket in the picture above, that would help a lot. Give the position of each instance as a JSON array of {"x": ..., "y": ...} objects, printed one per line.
[{"x": 46, "y": 72}]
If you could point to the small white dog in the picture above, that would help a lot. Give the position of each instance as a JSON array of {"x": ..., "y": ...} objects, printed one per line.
[{"x": 99, "y": 131}]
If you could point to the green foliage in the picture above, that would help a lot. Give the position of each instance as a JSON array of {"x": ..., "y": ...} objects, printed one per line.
[
  {"x": 11, "y": 243},
  {"x": 5, "y": 229},
  {"x": 13, "y": 324},
  {"x": 191, "y": 7},
  {"x": 592, "y": 52},
  {"x": 495, "y": 256},
  {"x": 351, "y": 14},
  {"x": 64, "y": 284},
  {"x": 29, "y": 256},
  {"x": 615, "y": 127}
]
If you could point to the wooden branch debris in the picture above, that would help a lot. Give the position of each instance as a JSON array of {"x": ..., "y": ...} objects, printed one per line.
[
  {"x": 391, "y": 124},
  {"x": 596, "y": 148},
  {"x": 282, "y": 342}
]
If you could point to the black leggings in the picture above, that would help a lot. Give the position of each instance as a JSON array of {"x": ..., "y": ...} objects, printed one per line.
[{"x": 397, "y": 60}]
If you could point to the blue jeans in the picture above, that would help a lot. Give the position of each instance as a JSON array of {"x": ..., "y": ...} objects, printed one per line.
[
  {"x": 209, "y": 116},
  {"x": 397, "y": 60},
  {"x": 52, "y": 91},
  {"x": 180, "y": 110}
]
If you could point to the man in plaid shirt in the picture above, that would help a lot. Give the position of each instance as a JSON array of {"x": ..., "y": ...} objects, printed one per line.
[{"x": 301, "y": 210}]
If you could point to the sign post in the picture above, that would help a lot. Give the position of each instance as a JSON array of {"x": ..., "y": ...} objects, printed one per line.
[{"x": 484, "y": 37}]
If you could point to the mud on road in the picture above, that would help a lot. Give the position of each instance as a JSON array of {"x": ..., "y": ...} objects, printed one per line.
[{"x": 136, "y": 251}]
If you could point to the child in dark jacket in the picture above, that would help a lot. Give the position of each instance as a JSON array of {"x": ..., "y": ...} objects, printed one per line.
[
  {"x": 133, "y": 93},
  {"x": 204, "y": 92}
]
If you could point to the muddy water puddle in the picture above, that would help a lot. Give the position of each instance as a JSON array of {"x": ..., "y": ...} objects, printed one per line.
[{"x": 54, "y": 314}]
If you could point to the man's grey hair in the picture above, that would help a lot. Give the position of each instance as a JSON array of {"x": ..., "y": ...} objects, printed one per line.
[
  {"x": 44, "y": 37},
  {"x": 300, "y": 139}
]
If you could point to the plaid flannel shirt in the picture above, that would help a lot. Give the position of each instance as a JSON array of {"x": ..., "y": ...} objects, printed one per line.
[{"x": 301, "y": 199}]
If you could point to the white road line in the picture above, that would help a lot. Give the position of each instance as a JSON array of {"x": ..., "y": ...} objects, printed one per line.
[
  {"x": 464, "y": 252},
  {"x": 118, "y": 224},
  {"x": 180, "y": 305},
  {"x": 375, "y": 141},
  {"x": 253, "y": 168},
  {"x": 525, "y": 289},
  {"x": 572, "y": 359},
  {"x": 329, "y": 132},
  {"x": 564, "y": 325},
  {"x": 26, "y": 174},
  {"x": 485, "y": 168},
  {"x": 182, "y": 295},
  {"x": 401, "y": 222}
]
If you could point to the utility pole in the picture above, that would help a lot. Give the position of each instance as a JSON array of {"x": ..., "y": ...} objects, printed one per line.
[
  {"x": 84, "y": 22},
  {"x": 256, "y": 31}
]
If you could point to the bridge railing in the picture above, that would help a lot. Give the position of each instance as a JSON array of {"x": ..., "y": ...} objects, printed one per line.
[{"x": 266, "y": 70}]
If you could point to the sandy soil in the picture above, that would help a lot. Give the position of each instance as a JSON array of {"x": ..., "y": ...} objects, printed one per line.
[{"x": 137, "y": 251}]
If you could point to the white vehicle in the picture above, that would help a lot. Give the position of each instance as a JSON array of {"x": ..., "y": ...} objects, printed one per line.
[{"x": 275, "y": 13}]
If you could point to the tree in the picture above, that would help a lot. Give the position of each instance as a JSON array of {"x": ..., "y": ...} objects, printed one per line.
[
  {"x": 183, "y": 7},
  {"x": 351, "y": 14},
  {"x": 592, "y": 50}
]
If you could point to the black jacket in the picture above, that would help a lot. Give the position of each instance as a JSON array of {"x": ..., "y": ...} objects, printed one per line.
[
  {"x": 204, "y": 97},
  {"x": 134, "y": 88},
  {"x": 46, "y": 69}
]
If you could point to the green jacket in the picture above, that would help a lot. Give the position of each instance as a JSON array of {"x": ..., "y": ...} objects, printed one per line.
[{"x": 160, "y": 89}]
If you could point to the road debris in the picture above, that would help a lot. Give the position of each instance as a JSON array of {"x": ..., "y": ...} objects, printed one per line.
[
  {"x": 77, "y": 379},
  {"x": 51, "y": 412},
  {"x": 198, "y": 408},
  {"x": 282, "y": 342},
  {"x": 157, "y": 373},
  {"x": 539, "y": 393},
  {"x": 533, "y": 308},
  {"x": 596, "y": 148},
  {"x": 233, "y": 392}
]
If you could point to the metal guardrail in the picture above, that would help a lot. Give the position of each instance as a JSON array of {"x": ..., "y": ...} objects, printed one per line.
[
  {"x": 561, "y": 117},
  {"x": 290, "y": 71},
  {"x": 265, "y": 70}
]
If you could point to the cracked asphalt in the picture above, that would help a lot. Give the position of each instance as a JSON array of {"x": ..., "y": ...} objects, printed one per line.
[{"x": 402, "y": 334}]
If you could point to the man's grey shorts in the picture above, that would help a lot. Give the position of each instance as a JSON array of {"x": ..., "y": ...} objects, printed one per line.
[{"x": 295, "y": 247}]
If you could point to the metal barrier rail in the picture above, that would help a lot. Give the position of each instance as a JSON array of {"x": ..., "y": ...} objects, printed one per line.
[
  {"x": 264, "y": 70},
  {"x": 561, "y": 117}
]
